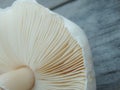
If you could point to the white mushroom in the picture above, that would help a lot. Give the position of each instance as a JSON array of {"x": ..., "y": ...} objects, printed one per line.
[{"x": 41, "y": 50}]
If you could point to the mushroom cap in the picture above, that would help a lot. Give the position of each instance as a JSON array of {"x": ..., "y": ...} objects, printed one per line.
[{"x": 56, "y": 49}]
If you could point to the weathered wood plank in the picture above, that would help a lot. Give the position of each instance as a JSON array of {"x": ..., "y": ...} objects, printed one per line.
[
  {"x": 51, "y": 3},
  {"x": 6, "y": 3},
  {"x": 48, "y": 3},
  {"x": 100, "y": 19}
]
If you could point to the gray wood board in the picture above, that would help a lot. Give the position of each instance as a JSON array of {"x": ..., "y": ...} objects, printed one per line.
[
  {"x": 51, "y": 3},
  {"x": 6, "y": 3},
  {"x": 48, "y": 3},
  {"x": 100, "y": 19}
]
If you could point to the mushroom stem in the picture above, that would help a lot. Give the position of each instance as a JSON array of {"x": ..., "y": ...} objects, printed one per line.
[{"x": 19, "y": 79}]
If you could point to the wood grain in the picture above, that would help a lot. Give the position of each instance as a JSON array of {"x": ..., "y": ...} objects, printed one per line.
[
  {"x": 47, "y": 3},
  {"x": 52, "y": 3},
  {"x": 6, "y": 3}
]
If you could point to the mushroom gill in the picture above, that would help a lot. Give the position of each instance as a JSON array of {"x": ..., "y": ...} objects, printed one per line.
[{"x": 40, "y": 50}]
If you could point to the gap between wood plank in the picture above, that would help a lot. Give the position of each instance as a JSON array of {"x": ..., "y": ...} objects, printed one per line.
[{"x": 62, "y": 4}]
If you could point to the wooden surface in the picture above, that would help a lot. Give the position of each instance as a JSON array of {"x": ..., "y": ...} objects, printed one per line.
[
  {"x": 52, "y": 3},
  {"x": 100, "y": 19}
]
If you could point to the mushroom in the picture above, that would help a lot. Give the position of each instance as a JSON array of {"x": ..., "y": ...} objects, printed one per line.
[{"x": 41, "y": 50}]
